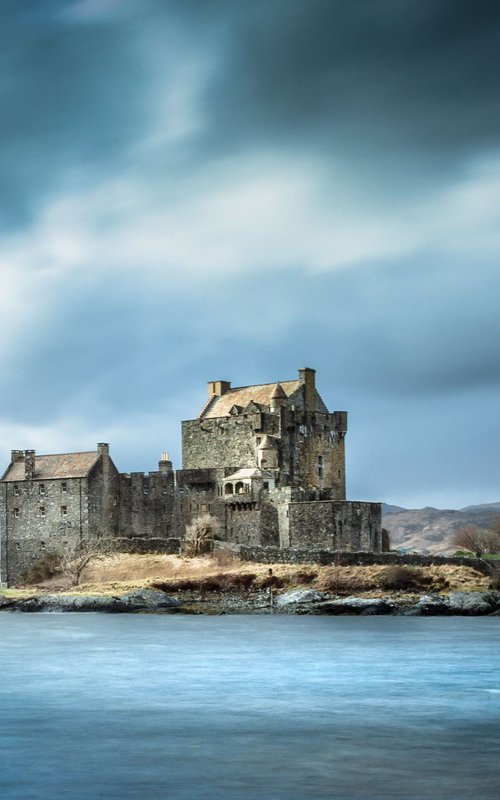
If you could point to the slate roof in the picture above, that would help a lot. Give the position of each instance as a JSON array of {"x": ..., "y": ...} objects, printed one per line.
[
  {"x": 243, "y": 395},
  {"x": 63, "y": 465}
]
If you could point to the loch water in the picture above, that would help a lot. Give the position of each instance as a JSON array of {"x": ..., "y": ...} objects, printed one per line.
[{"x": 179, "y": 707}]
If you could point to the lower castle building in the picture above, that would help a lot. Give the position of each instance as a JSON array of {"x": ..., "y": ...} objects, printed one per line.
[{"x": 267, "y": 460}]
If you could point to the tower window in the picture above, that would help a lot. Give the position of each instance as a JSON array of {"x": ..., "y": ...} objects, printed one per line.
[
  {"x": 41, "y": 488},
  {"x": 64, "y": 511},
  {"x": 42, "y": 511},
  {"x": 17, "y": 512},
  {"x": 17, "y": 490},
  {"x": 64, "y": 487}
]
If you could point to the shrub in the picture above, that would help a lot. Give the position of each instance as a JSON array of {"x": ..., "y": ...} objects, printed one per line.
[
  {"x": 272, "y": 582},
  {"x": 305, "y": 577},
  {"x": 45, "y": 568},
  {"x": 402, "y": 578}
]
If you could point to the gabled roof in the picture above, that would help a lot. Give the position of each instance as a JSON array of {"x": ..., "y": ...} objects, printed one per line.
[
  {"x": 261, "y": 394},
  {"x": 62, "y": 465}
]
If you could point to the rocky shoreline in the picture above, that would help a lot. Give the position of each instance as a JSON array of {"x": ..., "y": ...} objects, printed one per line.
[{"x": 301, "y": 601}]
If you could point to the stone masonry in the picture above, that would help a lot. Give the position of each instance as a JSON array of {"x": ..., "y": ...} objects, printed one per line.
[{"x": 267, "y": 460}]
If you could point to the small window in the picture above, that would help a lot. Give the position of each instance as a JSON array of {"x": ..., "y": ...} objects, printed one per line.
[
  {"x": 17, "y": 490},
  {"x": 42, "y": 545},
  {"x": 258, "y": 439},
  {"x": 64, "y": 487},
  {"x": 320, "y": 472},
  {"x": 41, "y": 488},
  {"x": 17, "y": 512},
  {"x": 64, "y": 511},
  {"x": 42, "y": 511}
]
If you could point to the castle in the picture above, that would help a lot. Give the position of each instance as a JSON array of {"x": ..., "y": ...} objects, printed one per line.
[{"x": 267, "y": 460}]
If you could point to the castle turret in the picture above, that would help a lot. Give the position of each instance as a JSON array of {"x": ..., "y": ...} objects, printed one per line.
[
  {"x": 278, "y": 398},
  {"x": 267, "y": 453}
]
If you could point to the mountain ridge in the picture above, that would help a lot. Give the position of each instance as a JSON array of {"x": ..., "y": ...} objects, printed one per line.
[{"x": 430, "y": 530}]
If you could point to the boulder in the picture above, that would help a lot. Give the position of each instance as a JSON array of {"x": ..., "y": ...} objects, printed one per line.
[
  {"x": 429, "y": 605},
  {"x": 298, "y": 597},
  {"x": 148, "y": 600},
  {"x": 473, "y": 603},
  {"x": 53, "y": 603},
  {"x": 357, "y": 605}
]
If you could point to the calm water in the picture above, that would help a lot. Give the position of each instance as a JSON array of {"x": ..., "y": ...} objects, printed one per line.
[{"x": 279, "y": 708}]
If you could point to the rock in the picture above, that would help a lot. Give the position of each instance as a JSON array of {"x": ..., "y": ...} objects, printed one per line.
[
  {"x": 53, "y": 603},
  {"x": 429, "y": 605},
  {"x": 6, "y": 602},
  {"x": 148, "y": 600},
  {"x": 298, "y": 597},
  {"x": 356, "y": 605},
  {"x": 473, "y": 603}
]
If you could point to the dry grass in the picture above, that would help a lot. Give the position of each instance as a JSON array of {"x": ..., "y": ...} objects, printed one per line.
[{"x": 122, "y": 572}]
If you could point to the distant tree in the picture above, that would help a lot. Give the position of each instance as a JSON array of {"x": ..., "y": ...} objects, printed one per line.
[
  {"x": 494, "y": 529},
  {"x": 200, "y": 534},
  {"x": 476, "y": 540}
]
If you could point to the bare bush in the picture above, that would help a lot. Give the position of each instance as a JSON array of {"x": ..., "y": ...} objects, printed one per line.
[
  {"x": 75, "y": 558},
  {"x": 200, "y": 534},
  {"x": 475, "y": 540}
]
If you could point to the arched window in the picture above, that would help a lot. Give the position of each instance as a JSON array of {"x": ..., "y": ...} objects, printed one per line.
[
  {"x": 239, "y": 488},
  {"x": 228, "y": 489}
]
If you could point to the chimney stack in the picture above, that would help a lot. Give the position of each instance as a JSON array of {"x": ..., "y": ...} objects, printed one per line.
[
  {"x": 16, "y": 455},
  {"x": 307, "y": 378},
  {"x": 103, "y": 448},
  {"x": 218, "y": 388},
  {"x": 29, "y": 464},
  {"x": 165, "y": 465}
]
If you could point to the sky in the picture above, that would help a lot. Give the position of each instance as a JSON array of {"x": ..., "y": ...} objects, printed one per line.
[{"x": 194, "y": 191}]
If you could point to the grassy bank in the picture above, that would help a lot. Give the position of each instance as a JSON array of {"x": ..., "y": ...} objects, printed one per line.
[{"x": 122, "y": 572}]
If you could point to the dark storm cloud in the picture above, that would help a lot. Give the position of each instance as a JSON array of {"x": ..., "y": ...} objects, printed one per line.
[
  {"x": 414, "y": 75},
  {"x": 233, "y": 190},
  {"x": 71, "y": 98},
  {"x": 384, "y": 84}
]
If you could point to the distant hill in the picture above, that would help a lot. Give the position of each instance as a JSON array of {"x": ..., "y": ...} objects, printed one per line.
[{"x": 430, "y": 530}]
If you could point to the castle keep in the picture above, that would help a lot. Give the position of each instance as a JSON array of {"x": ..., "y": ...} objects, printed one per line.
[{"x": 267, "y": 460}]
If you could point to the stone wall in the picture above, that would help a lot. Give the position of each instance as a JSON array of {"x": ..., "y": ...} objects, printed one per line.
[
  {"x": 146, "y": 504},
  {"x": 37, "y": 518},
  {"x": 275, "y": 555},
  {"x": 310, "y": 445},
  {"x": 223, "y": 442},
  {"x": 333, "y": 525}
]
